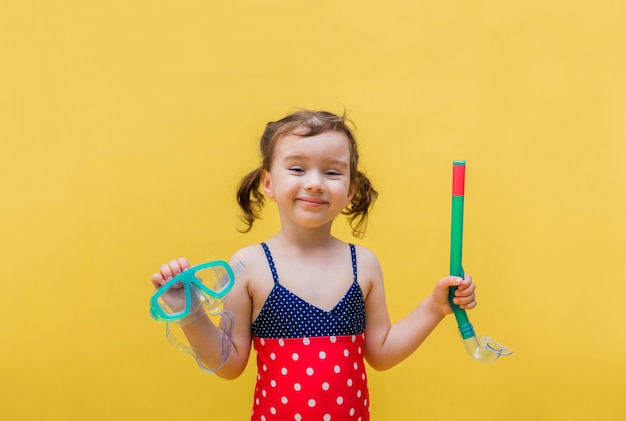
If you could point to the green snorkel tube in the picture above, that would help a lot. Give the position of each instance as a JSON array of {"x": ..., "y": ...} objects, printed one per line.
[{"x": 483, "y": 349}]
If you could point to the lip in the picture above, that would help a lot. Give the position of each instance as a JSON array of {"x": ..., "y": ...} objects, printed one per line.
[{"x": 312, "y": 201}]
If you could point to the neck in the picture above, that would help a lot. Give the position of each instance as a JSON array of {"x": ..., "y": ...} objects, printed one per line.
[{"x": 305, "y": 238}]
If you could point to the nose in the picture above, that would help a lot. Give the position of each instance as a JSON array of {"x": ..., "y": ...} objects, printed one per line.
[{"x": 314, "y": 182}]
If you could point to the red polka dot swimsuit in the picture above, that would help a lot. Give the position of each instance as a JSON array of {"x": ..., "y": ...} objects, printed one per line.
[{"x": 310, "y": 361}]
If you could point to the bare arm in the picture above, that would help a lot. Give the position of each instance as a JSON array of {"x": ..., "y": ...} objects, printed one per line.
[
  {"x": 204, "y": 336},
  {"x": 388, "y": 344},
  {"x": 238, "y": 302}
]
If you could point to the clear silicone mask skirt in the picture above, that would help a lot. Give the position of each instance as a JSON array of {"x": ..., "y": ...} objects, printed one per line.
[{"x": 196, "y": 293}]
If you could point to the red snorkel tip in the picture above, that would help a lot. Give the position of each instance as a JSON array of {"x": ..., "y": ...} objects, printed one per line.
[{"x": 458, "y": 178}]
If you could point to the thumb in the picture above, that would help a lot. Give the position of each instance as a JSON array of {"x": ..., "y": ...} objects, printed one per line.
[{"x": 449, "y": 281}]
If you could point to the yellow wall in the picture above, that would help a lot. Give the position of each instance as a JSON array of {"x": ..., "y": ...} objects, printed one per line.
[{"x": 125, "y": 126}]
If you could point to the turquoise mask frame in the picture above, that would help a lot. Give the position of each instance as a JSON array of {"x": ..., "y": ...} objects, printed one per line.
[{"x": 189, "y": 278}]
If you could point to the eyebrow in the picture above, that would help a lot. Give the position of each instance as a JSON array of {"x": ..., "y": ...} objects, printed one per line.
[{"x": 332, "y": 161}]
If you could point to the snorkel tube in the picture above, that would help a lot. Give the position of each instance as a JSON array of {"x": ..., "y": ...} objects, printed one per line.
[{"x": 483, "y": 349}]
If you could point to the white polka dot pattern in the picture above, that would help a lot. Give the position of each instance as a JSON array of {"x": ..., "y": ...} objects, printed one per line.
[
  {"x": 285, "y": 315},
  {"x": 327, "y": 380},
  {"x": 310, "y": 361}
]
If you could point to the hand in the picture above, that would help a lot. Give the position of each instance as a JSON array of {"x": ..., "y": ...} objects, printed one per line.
[
  {"x": 464, "y": 296},
  {"x": 175, "y": 297}
]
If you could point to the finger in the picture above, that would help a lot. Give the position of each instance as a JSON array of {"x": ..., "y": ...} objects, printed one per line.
[
  {"x": 468, "y": 306},
  {"x": 465, "y": 302},
  {"x": 175, "y": 266},
  {"x": 466, "y": 282},
  {"x": 166, "y": 272},
  {"x": 157, "y": 280},
  {"x": 183, "y": 263},
  {"x": 465, "y": 289},
  {"x": 449, "y": 281}
]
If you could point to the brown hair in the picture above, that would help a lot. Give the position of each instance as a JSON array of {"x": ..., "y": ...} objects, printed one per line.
[{"x": 307, "y": 123}]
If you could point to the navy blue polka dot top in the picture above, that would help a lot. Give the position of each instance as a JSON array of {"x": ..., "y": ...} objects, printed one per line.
[{"x": 285, "y": 315}]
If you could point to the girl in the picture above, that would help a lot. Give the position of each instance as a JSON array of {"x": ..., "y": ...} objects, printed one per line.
[{"x": 312, "y": 305}]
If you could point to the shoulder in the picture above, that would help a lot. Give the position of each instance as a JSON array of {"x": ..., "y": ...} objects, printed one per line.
[
  {"x": 256, "y": 277},
  {"x": 368, "y": 268},
  {"x": 246, "y": 252},
  {"x": 366, "y": 257},
  {"x": 250, "y": 256}
]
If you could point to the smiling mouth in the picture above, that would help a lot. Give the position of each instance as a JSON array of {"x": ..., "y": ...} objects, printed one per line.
[{"x": 311, "y": 201}]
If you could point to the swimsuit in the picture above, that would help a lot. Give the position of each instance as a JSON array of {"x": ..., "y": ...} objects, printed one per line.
[{"x": 310, "y": 361}]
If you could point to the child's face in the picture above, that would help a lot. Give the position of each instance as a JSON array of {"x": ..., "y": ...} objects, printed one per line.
[{"x": 310, "y": 178}]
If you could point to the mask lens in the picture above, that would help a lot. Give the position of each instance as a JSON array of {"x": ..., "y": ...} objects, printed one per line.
[
  {"x": 171, "y": 303},
  {"x": 215, "y": 278}
]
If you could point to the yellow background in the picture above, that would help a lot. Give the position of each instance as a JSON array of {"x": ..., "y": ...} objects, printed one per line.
[{"x": 126, "y": 125}]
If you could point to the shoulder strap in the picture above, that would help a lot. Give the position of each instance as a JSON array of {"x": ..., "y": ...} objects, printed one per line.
[
  {"x": 353, "y": 252},
  {"x": 270, "y": 261}
]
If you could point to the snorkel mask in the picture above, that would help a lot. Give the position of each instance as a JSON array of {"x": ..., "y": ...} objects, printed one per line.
[{"x": 193, "y": 294}]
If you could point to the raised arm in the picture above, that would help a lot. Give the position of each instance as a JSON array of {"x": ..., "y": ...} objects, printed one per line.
[
  {"x": 204, "y": 336},
  {"x": 388, "y": 344}
]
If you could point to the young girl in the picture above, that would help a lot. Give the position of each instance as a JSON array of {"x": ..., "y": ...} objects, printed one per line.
[{"x": 312, "y": 305}]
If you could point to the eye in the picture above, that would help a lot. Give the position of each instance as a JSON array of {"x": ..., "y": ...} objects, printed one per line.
[
  {"x": 333, "y": 173},
  {"x": 297, "y": 170}
]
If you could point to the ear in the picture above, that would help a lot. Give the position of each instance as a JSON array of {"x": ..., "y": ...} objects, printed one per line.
[
  {"x": 266, "y": 183},
  {"x": 352, "y": 191}
]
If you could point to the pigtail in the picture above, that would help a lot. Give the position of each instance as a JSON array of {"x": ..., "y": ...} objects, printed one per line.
[
  {"x": 361, "y": 205},
  {"x": 250, "y": 198}
]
